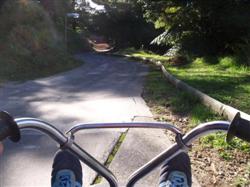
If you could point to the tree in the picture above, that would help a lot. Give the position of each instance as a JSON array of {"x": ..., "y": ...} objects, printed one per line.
[
  {"x": 218, "y": 25},
  {"x": 57, "y": 9},
  {"x": 122, "y": 22}
]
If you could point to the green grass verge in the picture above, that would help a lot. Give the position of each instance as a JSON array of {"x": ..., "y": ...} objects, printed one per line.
[
  {"x": 142, "y": 54},
  {"x": 221, "y": 78},
  {"x": 218, "y": 142},
  {"x": 161, "y": 93}
]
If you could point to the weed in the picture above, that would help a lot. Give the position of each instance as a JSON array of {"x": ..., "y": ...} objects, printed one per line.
[
  {"x": 110, "y": 158},
  {"x": 218, "y": 141}
]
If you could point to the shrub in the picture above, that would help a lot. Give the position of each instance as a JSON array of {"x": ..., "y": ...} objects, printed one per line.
[{"x": 30, "y": 45}]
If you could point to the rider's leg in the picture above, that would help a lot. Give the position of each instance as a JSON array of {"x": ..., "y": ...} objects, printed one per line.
[
  {"x": 176, "y": 172},
  {"x": 67, "y": 170}
]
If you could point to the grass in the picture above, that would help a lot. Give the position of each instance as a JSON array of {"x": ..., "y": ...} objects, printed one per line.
[
  {"x": 162, "y": 94},
  {"x": 111, "y": 156},
  {"x": 221, "y": 78},
  {"x": 143, "y": 54},
  {"x": 217, "y": 141}
]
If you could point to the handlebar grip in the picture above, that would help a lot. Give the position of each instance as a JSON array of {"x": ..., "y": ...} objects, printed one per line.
[
  {"x": 8, "y": 127},
  {"x": 240, "y": 128}
]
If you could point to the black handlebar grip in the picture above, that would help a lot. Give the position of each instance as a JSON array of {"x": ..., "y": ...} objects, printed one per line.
[
  {"x": 8, "y": 127},
  {"x": 240, "y": 128}
]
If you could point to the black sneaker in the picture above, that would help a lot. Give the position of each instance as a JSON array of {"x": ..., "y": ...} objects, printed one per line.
[
  {"x": 176, "y": 172},
  {"x": 67, "y": 170}
]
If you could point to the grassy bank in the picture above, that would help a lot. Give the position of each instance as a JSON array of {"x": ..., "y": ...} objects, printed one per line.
[
  {"x": 181, "y": 109},
  {"x": 30, "y": 44},
  {"x": 222, "y": 78}
]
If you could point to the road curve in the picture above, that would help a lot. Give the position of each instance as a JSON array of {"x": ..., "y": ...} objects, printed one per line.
[{"x": 104, "y": 89}]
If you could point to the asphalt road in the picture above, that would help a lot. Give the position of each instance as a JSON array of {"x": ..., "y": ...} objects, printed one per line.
[{"x": 104, "y": 89}]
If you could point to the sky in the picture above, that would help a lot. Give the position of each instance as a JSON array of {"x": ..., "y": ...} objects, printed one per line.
[{"x": 92, "y": 5}]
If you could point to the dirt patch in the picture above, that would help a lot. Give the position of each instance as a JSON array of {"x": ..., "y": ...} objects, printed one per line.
[
  {"x": 100, "y": 44},
  {"x": 208, "y": 166}
]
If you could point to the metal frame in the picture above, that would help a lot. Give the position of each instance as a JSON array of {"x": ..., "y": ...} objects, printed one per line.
[
  {"x": 183, "y": 143},
  {"x": 86, "y": 126}
]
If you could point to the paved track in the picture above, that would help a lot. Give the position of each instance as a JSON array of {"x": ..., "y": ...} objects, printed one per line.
[{"x": 103, "y": 89}]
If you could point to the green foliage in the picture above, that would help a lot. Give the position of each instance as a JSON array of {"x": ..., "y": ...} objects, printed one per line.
[
  {"x": 220, "y": 77},
  {"x": 161, "y": 93},
  {"x": 201, "y": 114},
  {"x": 147, "y": 55},
  {"x": 218, "y": 141},
  {"x": 30, "y": 44},
  {"x": 215, "y": 26},
  {"x": 223, "y": 78},
  {"x": 183, "y": 102},
  {"x": 122, "y": 22},
  {"x": 57, "y": 10}
]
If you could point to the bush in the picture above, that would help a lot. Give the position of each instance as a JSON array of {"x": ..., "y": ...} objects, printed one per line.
[
  {"x": 201, "y": 27},
  {"x": 30, "y": 45},
  {"x": 123, "y": 23}
]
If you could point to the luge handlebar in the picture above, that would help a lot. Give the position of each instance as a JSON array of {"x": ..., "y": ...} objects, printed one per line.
[
  {"x": 10, "y": 127},
  {"x": 240, "y": 128}
]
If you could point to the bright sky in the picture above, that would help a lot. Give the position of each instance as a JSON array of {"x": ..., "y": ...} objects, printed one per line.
[{"x": 92, "y": 4}]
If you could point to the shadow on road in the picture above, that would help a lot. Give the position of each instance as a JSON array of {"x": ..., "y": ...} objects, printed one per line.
[{"x": 103, "y": 89}]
